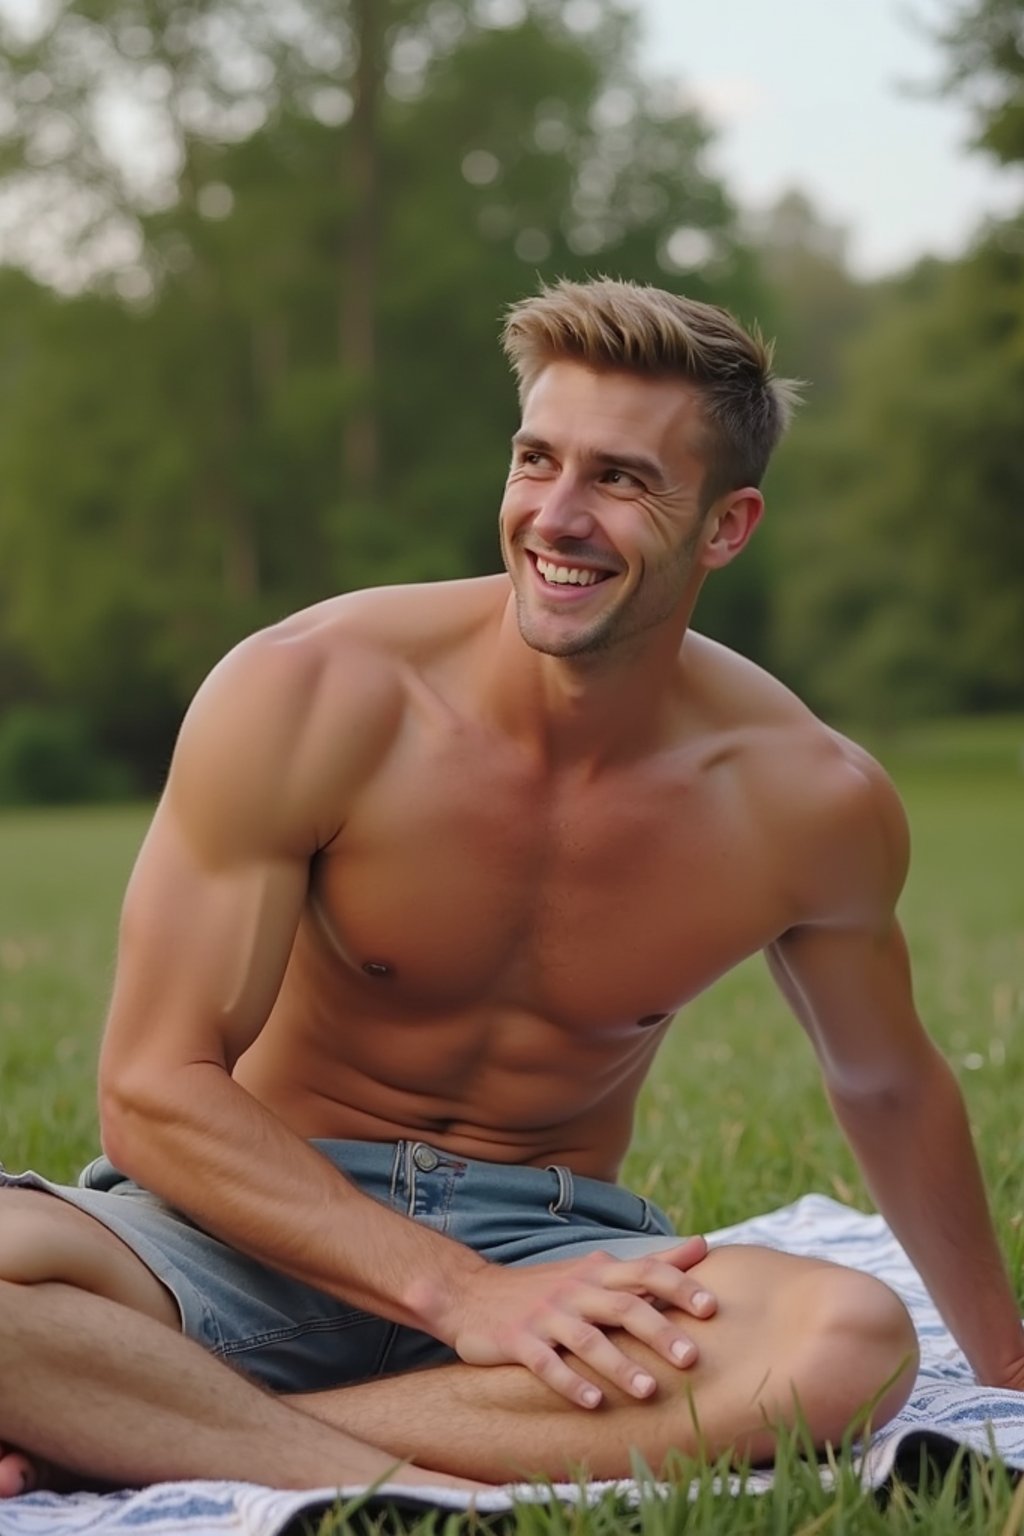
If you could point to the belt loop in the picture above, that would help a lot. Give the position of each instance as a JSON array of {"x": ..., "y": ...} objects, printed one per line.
[
  {"x": 563, "y": 1200},
  {"x": 397, "y": 1165}
]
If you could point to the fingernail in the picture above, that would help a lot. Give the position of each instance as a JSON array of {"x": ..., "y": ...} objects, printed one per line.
[
  {"x": 643, "y": 1384},
  {"x": 682, "y": 1352},
  {"x": 590, "y": 1397},
  {"x": 702, "y": 1299}
]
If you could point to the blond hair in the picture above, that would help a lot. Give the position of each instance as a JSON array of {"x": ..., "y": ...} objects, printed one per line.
[{"x": 605, "y": 324}]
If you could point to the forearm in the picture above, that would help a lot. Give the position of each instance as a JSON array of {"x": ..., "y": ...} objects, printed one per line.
[
  {"x": 207, "y": 1147},
  {"x": 918, "y": 1157}
]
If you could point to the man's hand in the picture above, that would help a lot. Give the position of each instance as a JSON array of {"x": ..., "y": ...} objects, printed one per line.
[{"x": 526, "y": 1315}]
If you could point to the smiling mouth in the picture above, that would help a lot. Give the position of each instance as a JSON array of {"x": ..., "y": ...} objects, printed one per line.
[{"x": 555, "y": 575}]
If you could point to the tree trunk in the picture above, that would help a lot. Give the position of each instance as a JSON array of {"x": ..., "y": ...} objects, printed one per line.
[{"x": 360, "y": 439}]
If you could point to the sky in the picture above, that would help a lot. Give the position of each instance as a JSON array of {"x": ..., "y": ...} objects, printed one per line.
[
  {"x": 839, "y": 98},
  {"x": 831, "y": 96}
]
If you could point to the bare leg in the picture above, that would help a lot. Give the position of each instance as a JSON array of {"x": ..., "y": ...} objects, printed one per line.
[
  {"x": 86, "y": 1364},
  {"x": 786, "y": 1330},
  {"x": 112, "y": 1394},
  {"x": 98, "y": 1387}
]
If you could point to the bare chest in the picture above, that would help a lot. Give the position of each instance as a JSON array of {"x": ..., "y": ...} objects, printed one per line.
[{"x": 593, "y": 908}]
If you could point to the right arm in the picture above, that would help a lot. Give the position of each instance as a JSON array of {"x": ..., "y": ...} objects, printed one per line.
[
  {"x": 207, "y": 929},
  {"x": 259, "y": 784}
]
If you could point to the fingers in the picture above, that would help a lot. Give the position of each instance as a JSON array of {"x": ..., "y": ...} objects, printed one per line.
[
  {"x": 538, "y": 1314},
  {"x": 610, "y": 1363},
  {"x": 548, "y": 1366},
  {"x": 634, "y": 1315},
  {"x": 658, "y": 1276},
  {"x": 685, "y": 1254},
  {"x": 592, "y": 1345},
  {"x": 580, "y": 1326}
]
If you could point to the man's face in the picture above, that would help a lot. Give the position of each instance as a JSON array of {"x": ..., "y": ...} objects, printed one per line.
[{"x": 601, "y": 517}]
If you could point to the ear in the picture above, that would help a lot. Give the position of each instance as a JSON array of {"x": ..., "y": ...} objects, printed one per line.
[{"x": 729, "y": 527}]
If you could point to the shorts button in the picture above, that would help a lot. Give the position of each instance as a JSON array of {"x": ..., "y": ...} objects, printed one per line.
[{"x": 425, "y": 1158}]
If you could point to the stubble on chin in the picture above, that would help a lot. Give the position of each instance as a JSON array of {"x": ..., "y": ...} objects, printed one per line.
[{"x": 591, "y": 640}]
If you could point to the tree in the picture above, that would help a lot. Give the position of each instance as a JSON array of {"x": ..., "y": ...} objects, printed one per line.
[
  {"x": 817, "y": 306},
  {"x": 904, "y": 550},
  {"x": 984, "y": 40},
  {"x": 225, "y": 456},
  {"x": 900, "y": 547}
]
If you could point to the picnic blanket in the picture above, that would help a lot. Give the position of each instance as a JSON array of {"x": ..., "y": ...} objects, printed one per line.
[{"x": 945, "y": 1404}]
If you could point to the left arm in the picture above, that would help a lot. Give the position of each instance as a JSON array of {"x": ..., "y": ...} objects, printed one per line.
[{"x": 847, "y": 977}]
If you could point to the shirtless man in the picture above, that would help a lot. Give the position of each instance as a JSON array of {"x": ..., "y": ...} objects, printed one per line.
[{"x": 434, "y": 868}]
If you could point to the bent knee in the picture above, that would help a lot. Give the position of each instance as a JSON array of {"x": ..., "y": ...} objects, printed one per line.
[
  {"x": 859, "y": 1352},
  {"x": 852, "y": 1306},
  {"x": 43, "y": 1239}
]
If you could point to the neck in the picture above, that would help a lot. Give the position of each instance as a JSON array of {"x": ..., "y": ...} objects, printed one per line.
[{"x": 590, "y": 710}]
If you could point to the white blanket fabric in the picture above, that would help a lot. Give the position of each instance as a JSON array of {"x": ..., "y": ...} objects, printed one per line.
[{"x": 945, "y": 1402}]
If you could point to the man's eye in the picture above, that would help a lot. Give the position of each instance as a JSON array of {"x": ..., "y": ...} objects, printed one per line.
[{"x": 620, "y": 479}]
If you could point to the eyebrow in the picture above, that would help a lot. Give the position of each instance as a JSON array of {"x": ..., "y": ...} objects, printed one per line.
[{"x": 647, "y": 469}]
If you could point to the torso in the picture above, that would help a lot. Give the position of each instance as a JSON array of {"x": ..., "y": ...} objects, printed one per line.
[{"x": 491, "y": 951}]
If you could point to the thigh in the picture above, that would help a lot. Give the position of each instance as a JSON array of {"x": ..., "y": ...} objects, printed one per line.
[
  {"x": 46, "y": 1239},
  {"x": 286, "y": 1335}
]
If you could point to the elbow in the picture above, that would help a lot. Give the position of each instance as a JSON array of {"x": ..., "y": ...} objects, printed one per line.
[
  {"x": 870, "y": 1091},
  {"x": 129, "y": 1113},
  {"x": 150, "y": 1112},
  {"x": 894, "y": 1087},
  {"x": 116, "y": 1115}
]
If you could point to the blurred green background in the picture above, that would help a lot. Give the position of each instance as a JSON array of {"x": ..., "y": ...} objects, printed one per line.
[{"x": 267, "y": 370}]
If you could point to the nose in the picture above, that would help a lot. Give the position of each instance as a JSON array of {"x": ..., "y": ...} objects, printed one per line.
[{"x": 563, "y": 513}]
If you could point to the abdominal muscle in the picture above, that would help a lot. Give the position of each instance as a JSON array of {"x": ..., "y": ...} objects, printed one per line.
[{"x": 503, "y": 1088}]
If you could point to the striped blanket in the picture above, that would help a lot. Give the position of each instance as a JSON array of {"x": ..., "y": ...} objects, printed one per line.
[{"x": 945, "y": 1402}]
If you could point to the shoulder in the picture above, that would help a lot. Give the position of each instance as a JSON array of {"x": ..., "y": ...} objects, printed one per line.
[
  {"x": 833, "y": 814},
  {"x": 853, "y": 830},
  {"x": 356, "y": 653},
  {"x": 293, "y": 720},
  {"x": 848, "y": 843}
]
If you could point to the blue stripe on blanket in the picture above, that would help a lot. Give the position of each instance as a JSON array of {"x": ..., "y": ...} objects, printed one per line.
[{"x": 945, "y": 1403}]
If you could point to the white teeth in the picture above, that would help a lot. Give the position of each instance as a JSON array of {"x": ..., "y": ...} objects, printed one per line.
[{"x": 571, "y": 575}]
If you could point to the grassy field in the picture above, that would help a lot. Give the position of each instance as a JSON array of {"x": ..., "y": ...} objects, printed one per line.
[{"x": 733, "y": 1121}]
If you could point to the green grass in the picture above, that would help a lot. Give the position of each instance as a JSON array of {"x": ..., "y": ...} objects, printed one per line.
[
  {"x": 63, "y": 873},
  {"x": 733, "y": 1121}
]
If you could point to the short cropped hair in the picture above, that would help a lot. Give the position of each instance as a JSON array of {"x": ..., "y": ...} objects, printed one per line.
[{"x": 626, "y": 327}]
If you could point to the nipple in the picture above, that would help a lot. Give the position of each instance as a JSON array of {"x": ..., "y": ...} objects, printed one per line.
[{"x": 377, "y": 968}]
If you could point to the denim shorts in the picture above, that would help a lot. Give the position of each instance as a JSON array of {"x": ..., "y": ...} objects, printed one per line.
[{"x": 293, "y": 1338}]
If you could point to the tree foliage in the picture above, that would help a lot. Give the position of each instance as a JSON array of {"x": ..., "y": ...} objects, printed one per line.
[
  {"x": 900, "y": 553},
  {"x": 274, "y": 371},
  {"x": 984, "y": 40},
  {"x": 904, "y": 546},
  {"x": 254, "y": 262}
]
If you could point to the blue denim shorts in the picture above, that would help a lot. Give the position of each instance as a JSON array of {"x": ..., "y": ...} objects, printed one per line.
[{"x": 293, "y": 1338}]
